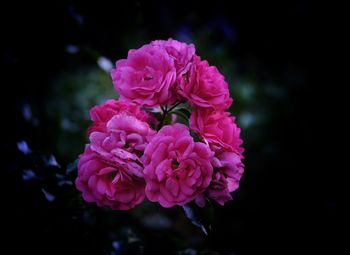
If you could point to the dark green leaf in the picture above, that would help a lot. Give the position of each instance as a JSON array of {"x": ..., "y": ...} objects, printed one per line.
[
  {"x": 196, "y": 138},
  {"x": 186, "y": 112},
  {"x": 196, "y": 216}
]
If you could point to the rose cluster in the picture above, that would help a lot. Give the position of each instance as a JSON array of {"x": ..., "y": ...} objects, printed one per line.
[{"x": 137, "y": 149}]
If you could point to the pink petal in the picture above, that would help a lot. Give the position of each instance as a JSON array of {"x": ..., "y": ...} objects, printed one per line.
[{"x": 173, "y": 186}]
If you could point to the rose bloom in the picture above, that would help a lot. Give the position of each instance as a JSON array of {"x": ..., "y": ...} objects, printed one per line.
[
  {"x": 228, "y": 170},
  {"x": 110, "y": 170},
  {"x": 205, "y": 87},
  {"x": 218, "y": 129},
  {"x": 177, "y": 169},
  {"x": 182, "y": 53},
  {"x": 101, "y": 114},
  {"x": 146, "y": 76}
]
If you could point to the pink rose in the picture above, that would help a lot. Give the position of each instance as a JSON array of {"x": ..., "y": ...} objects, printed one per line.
[
  {"x": 101, "y": 114},
  {"x": 182, "y": 53},
  {"x": 228, "y": 170},
  {"x": 146, "y": 76},
  {"x": 177, "y": 169},
  {"x": 107, "y": 184},
  {"x": 218, "y": 129},
  {"x": 205, "y": 87},
  {"x": 110, "y": 170}
]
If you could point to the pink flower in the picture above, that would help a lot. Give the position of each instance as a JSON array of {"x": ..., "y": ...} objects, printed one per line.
[
  {"x": 101, "y": 114},
  {"x": 110, "y": 170},
  {"x": 182, "y": 53},
  {"x": 218, "y": 129},
  {"x": 146, "y": 76},
  {"x": 107, "y": 184},
  {"x": 205, "y": 87},
  {"x": 228, "y": 170},
  {"x": 177, "y": 169}
]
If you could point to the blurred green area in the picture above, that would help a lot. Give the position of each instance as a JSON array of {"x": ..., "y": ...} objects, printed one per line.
[{"x": 73, "y": 94}]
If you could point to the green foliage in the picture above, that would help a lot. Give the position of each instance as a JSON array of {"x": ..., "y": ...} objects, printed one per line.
[{"x": 73, "y": 94}]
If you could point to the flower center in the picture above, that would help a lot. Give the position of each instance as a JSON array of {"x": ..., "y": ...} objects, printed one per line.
[
  {"x": 111, "y": 175},
  {"x": 185, "y": 75},
  {"x": 148, "y": 77},
  {"x": 174, "y": 164}
]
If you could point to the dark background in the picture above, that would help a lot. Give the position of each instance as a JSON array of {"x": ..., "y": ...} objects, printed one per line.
[{"x": 269, "y": 52}]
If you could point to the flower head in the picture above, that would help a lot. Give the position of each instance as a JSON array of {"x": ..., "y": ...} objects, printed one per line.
[
  {"x": 126, "y": 160},
  {"x": 218, "y": 129},
  {"x": 228, "y": 170},
  {"x": 101, "y": 114},
  {"x": 182, "y": 53},
  {"x": 110, "y": 170},
  {"x": 177, "y": 169},
  {"x": 205, "y": 87},
  {"x": 146, "y": 76}
]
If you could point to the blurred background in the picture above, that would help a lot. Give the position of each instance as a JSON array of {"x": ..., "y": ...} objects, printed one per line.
[{"x": 56, "y": 58}]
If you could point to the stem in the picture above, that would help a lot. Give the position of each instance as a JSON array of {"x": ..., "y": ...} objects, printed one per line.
[
  {"x": 165, "y": 112},
  {"x": 174, "y": 106},
  {"x": 163, "y": 117}
]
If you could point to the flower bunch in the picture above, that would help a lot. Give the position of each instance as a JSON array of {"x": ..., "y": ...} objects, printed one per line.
[{"x": 167, "y": 138}]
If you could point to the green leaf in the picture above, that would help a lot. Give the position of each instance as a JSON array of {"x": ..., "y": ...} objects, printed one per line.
[
  {"x": 196, "y": 138},
  {"x": 167, "y": 120},
  {"x": 183, "y": 117},
  {"x": 184, "y": 111}
]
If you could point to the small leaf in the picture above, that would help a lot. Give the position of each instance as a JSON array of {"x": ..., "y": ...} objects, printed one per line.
[
  {"x": 29, "y": 175},
  {"x": 61, "y": 180},
  {"x": 185, "y": 111},
  {"x": 182, "y": 117},
  {"x": 23, "y": 147},
  {"x": 71, "y": 167},
  {"x": 196, "y": 138},
  {"x": 192, "y": 214},
  {"x": 50, "y": 161},
  {"x": 167, "y": 119},
  {"x": 158, "y": 115},
  {"x": 49, "y": 197}
]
